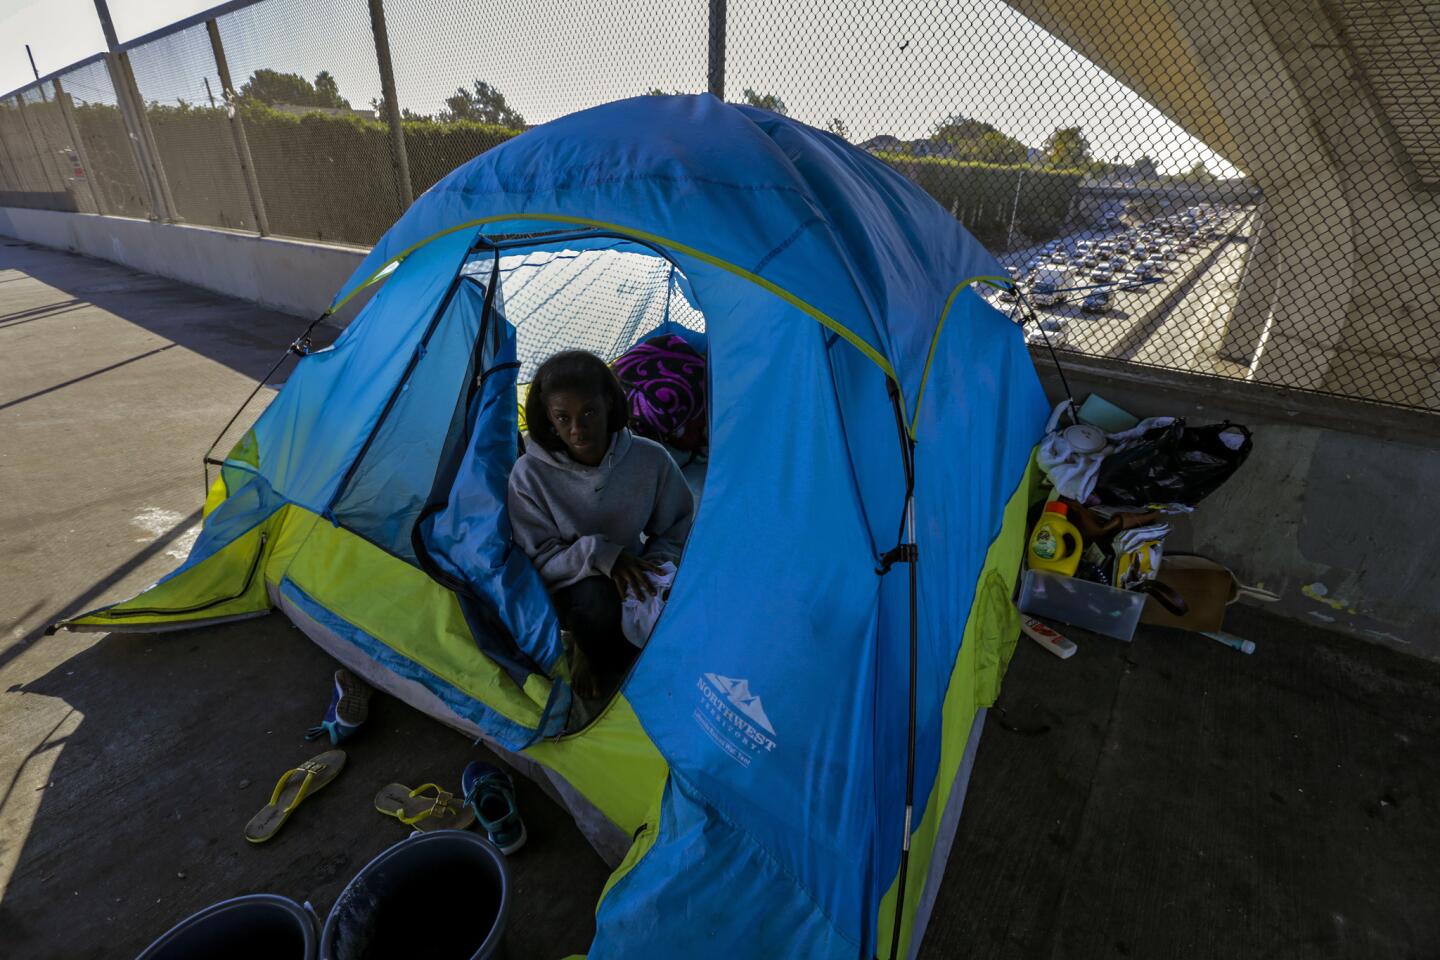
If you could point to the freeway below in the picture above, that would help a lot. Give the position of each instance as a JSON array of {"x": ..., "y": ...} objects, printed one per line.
[{"x": 1177, "y": 322}]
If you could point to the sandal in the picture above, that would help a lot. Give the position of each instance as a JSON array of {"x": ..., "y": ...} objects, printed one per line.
[
  {"x": 294, "y": 787},
  {"x": 490, "y": 794},
  {"x": 349, "y": 706},
  {"x": 425, "y": 808}
]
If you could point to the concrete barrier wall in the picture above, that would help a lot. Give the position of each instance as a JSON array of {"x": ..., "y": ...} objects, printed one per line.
[
  {"x": 1332, "y": 510},
  {"x": 293, "y": 276}
]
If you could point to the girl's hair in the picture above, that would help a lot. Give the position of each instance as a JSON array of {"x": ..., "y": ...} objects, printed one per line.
[{"x": 578, "y": 371}]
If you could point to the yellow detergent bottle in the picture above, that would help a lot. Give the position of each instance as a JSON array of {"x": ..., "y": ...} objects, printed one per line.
[{"x": 1055, "y": 544}]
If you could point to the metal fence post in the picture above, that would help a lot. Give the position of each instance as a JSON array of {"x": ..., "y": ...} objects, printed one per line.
[
  {"x": 716, "y": 73},
  {"x": 138, "y": 151},
  {"x": 237, "y": 130},
  {"x": 66, "y": 107},
  {"x": 392, "y": 104},
  {"x": 147, "y": 136},
  {"x": 119, "y": 70},
  {"x": 42, "y": 154}
]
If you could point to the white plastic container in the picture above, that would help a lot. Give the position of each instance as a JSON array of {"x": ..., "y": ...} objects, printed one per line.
[{"x": 1092, "y": 606}]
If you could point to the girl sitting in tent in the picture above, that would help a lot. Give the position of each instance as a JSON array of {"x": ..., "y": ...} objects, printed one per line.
[{"x": 579, "y": 501}]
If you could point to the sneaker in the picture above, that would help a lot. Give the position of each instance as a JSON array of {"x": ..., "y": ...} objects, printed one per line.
[
  {"x": 349, "y": 706},
  {"x": 490, "y": 792}
]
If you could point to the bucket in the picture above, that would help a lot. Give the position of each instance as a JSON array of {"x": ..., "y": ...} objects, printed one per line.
[
  {"x": 260, "y": 925},
  {"x": 443, "y": 895}
]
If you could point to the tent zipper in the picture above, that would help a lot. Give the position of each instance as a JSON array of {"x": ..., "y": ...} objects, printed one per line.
[{"x": 155, "y": 611}]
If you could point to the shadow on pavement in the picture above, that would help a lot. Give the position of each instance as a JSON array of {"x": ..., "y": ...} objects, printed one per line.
[
  {"x": 1175, "y": 798},
  {"x": 241, "y": 335},
  {"x": 84, "y": 601},
  {"x": 181, "y": 738}
]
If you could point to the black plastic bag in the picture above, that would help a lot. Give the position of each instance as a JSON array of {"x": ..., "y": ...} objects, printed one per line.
[{"x": 1173, "y": 464}]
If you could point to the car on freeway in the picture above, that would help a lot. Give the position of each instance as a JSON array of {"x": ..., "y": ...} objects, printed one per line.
[
  {"x": 1102, "y": 275},
  {"x": 1046, "y": 289},
  {"x": 1097, "y": 301},
  {"x": 1048, "y": 328}
]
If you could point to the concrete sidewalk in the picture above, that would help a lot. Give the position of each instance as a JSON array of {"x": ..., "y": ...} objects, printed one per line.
[
  {"x": 1173, "y": 798},
  {"x": 1169, "y": 798}
]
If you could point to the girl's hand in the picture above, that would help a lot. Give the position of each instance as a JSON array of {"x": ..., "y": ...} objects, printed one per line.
[{"x": 630, "y": 576}]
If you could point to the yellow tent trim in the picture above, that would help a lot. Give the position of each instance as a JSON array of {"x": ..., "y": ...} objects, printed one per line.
[{"x": 994, "y": 281}]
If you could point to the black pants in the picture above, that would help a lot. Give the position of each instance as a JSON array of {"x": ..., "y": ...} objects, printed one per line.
[{"x": 590, "y": 610}]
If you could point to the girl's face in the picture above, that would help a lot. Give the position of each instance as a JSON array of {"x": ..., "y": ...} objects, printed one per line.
[{"x": 582, "y": 424}]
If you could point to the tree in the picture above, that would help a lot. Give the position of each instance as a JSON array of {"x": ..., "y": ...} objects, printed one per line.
[
  {"x": 995, "y": 147},
  {"x": 1067, "y": 147},
  {"x": 271, "y": 87},
  {"x": 766, "y": 101},
  {"x": 483, "y": 104},
  {"x": 837, "y": 126},
  {"x": 965, "y": 138},
  {"x": 657, "y": 92},
  {"x": 1145, "y": 169},
  {"x": 327, "y": 91},
  {"x": 960, "y": 130},
  {"x": 379, "y": 106}
]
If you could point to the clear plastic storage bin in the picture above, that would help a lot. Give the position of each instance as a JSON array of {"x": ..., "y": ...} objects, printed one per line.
[{"x": 1092, "y": 606}]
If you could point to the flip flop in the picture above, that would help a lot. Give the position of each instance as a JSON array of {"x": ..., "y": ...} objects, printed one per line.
[
  {"x": 297, "y": 784},
  {"x": 425, "y": 808},
  {"x": 349, "y": 706}
]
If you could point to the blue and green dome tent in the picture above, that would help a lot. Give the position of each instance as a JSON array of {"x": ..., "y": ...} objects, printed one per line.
[{"x": 785, "y": 763}]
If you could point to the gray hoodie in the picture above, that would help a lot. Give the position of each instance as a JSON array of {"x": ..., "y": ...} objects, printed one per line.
[{"x": 573, "y": 521}]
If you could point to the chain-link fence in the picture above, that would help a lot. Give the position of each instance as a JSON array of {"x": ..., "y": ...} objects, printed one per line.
[
  {"x": 102, "y": 141},
  {"x": 27, "y": 171},
  {"x": 322, "y": 158},
  {"x": 187, "y": 118},
  {"x": 1243, "y": 190}
]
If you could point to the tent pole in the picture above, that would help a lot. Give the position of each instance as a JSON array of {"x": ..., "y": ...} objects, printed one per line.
[{"x": 909, "y": 553}]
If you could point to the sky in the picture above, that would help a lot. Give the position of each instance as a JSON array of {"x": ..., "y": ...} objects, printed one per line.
[{"x": 895, "y": 67}]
